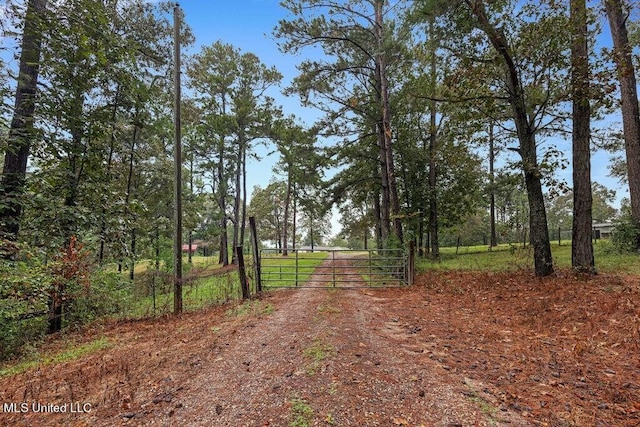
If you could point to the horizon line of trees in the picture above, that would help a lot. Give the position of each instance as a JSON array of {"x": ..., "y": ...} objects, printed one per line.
[{"x": 413, "y": 94}]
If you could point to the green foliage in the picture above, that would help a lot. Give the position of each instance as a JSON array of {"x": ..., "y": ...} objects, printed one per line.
[
  {"x": 106, "y": 295},
  {"x": 30, "y": 287},
  {"x": 507, "y": 257},
  {"x": 23, "y": 303},
  {"x": 67, "y": 355},
  {"x": 266, "y": 205},
  {"x": 626, "y": 236}
]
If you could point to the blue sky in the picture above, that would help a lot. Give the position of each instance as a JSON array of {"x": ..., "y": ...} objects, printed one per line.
[{"x": 248, "y": 25}]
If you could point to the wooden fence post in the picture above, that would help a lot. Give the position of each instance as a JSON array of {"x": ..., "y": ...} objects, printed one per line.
[
  {"x": 242, "y": 273},
  {"x": 411, "y": 265},
  {"x": 256, "y": 254}
]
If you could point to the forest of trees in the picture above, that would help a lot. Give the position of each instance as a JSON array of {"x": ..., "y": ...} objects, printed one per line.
[{"x": 439, "y": 118}]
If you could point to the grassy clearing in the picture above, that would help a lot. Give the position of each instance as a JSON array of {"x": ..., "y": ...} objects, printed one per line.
[
  {"x": 512, "y": 258},
  {"x": 278, "y": 270},
  {"x": 208, "y": 263},
  {"x": 70, "y": 354}
]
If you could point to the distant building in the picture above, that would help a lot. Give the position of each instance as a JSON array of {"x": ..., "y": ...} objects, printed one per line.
[
  {"x": 185, "y": 248},
  {"x": 603, "y": 230}
]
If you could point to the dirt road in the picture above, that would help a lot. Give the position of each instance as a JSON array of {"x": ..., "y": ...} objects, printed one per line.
[{"x": 293, "y": 358}]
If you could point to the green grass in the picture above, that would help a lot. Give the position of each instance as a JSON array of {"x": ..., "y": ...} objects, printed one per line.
[
  {"x": 278, "y": 270},
  {"x": 316, "y": 353},
  {"x": 514, "y": 258},
  {"x": 65, "y": 356},
  {"x": 301, "y": 413},
  {"x": 318, "y": 350},
  {"x": 380, "y": 270},
  {"x": 487, "y": 408},
  {"x": 198, "y": 294},
  {"x": 251, "y": 308},
  {"x": 208, "y": 263}
]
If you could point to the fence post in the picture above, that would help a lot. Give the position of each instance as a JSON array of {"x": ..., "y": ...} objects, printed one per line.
[
  {"x": 242, "y": 273},
  {"x": 296, "y": 266},
  {"x": 412, "y": 263},
  {"x": 559, "y": 237},
  {"x": 256, "y": 254},
  {"x": 333, "y": 265}
]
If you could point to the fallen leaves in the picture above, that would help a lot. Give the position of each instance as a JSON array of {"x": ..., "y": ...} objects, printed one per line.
[{"x": 541, "y": 339}]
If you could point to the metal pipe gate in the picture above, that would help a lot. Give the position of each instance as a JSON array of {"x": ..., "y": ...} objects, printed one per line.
[{"x": 339, "y": 268}]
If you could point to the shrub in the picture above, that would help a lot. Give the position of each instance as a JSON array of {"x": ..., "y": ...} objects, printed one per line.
[
  {"x": 23, "y": 305},
  {"x": 29, "y": 288},
  {"x": 626, "y": 236},
  {"x": 106, "y": 294}
]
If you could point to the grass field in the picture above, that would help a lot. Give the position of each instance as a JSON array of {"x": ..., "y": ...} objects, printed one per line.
[
  {"x": 153, "y": 290},
  {"x": 513, "y": 258},
  {"x": 196, "y": 294},
  {"x": 278, "y": 270}
]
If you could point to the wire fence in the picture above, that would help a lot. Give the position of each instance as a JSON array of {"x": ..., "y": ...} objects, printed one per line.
[{"x": 108, "y": 294}]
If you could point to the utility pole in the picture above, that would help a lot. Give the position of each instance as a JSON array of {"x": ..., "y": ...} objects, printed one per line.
[{"x": 177, "y": 210}]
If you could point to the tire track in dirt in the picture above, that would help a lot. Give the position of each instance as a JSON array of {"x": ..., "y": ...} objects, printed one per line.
[
  {"x": 335, "y": 352},
  {"x": 326, "y": 357}
]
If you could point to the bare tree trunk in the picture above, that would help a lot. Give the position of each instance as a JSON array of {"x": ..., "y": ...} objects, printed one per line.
[
  {"x": 629, "y": 100},
  {"x": 492, "y": 192},
  {"x": 21, "y": 132},
  {"x": 222, "y": 204},
  {"x": 433, "y": 164},
  {"x": 103, "y": 213},
  {"x": 133, "y": 255},
  {"x": 236, "y": 201},
  {"x": 394, "y": 200},
  {"x": 383, "y": 204},
  {"x": 539, "y": 233},
  {"x": 243, "y": 221},
  {"x": 287, "y": 202},
  {"x": 190, "y": 234},
  {"x": 379, "y": 225},
  {"x": 76, "y": 157},
  {"x": 295, "y": 216},
  {"x": 582, "y": 258},
  {"x": 134, "y": 140}
]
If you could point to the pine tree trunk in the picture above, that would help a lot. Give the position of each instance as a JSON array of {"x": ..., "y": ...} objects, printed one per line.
[
  {"x": 629, "y": 100},
  {"x": 387, "y": 141},
  {"x": 222, "y": 204},
  {"x": 493, "y": 240},
  {"x": 103, "y": 212},
  {"x": 379, "y": 227},
  {"x": 21, "y": 132},
  {"x": 539, "y": 233},
  {"x": 236, "y": 202},
  {"x": 581, "y": 244},
  {"x": 383, "y": 202},
  {"x": 243, "y": 219},
  {"x": 433, "y": 164},
  {"x": 285, "y": 229}
]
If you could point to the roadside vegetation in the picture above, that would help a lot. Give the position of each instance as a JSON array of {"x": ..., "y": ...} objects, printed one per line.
[
  {"x": 89, "y": 293},
  {"x": 508, "y": 257}
]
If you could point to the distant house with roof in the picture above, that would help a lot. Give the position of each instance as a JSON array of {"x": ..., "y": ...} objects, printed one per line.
[{"x": 603, "y": 230}]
